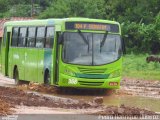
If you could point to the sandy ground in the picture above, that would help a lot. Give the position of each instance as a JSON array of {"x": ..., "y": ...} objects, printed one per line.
[
  {"x": 44, "y": 110},
  {"x": 5, "y": 80}
]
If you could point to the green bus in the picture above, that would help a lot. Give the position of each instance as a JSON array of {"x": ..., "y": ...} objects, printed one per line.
[{"x": 68, "y": 52}]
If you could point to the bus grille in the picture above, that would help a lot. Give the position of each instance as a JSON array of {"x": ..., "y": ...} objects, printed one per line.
[
  {"x": 92, "y": 76},
  {"x": 91, "y": 70},
  {"x": 90, "y": 83}
]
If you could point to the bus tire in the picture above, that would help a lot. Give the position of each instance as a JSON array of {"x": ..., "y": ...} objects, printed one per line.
[
  {"x": 16, "y": 76},
  {"x": 47, "y": 78}
]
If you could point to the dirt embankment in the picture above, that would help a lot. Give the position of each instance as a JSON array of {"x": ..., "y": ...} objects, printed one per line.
[
  {"x": 5, "y": 108},
  {"x": 140, "y": 83},
  {"x": 19, "y": 97},
  {"x": 13, "y": 96},
  {"x": 123, "y": 110}
]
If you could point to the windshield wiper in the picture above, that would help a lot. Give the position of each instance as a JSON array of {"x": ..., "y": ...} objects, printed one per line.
[
  {"x": 84, "y": 39},
  {"x": 103, "y": 40}
]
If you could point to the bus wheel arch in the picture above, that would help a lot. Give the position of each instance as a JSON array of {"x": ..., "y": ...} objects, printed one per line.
[
  {"x": 16, "y": 74},
  {"x": 47, "y": 77}
]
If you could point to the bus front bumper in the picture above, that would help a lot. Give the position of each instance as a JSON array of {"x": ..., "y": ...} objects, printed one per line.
[{"x": 68, "y": 81}]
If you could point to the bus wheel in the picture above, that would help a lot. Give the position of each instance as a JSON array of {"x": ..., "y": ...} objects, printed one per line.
[
  {"x": 16, "y": 76},
  {"x": 47, "y": 78}
]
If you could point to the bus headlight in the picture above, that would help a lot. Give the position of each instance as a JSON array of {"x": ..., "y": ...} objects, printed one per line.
[
  {"x": 69, "y": 72},
  {"x": 115, "y": 74}
]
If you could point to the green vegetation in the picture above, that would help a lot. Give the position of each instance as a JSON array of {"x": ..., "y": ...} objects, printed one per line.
[
  {"x": 135, "y": 66},
  {"x": 140, "y": 19},
  {"x": 22, "y": 8}
]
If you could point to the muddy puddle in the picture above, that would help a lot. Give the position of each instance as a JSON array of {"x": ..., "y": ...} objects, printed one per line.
[{"x": 133, "y": 101}]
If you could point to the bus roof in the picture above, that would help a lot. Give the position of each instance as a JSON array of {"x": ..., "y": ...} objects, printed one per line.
[{"x": 53, "y": 21}]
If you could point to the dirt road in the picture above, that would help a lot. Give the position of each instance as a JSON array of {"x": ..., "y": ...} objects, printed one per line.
[{"x": 24, "y": 100}]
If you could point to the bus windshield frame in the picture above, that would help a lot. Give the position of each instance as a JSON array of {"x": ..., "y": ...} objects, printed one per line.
[{"x": 91, "y": 48}]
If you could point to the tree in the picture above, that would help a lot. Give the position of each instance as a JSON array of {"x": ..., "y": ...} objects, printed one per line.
[
  {"x": 75, "y": 8},
  {"x": 4, "y": 7}
]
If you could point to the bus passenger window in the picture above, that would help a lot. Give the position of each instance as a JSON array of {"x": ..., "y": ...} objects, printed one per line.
[
  {"x": 49, "y": 37},
  {"x": 31, "y": 36},
  {"x": 4, "y": 36},
  {"x": 40, "y": 37},
  {"x": 22, "y": 37},
  {"x": 15, "y": 36}
]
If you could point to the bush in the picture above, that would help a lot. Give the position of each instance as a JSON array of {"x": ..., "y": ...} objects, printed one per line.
[{"x": 142, "y": 38}]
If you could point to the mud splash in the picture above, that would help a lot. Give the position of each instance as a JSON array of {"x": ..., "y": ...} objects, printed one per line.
[{"x": 38, "y": 88}]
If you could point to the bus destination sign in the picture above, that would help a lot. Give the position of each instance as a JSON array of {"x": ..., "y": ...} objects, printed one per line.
[{"x": 92, "y": 26}]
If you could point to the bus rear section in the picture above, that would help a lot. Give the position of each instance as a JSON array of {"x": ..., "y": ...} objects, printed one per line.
[{"x": 28, "y": 51}]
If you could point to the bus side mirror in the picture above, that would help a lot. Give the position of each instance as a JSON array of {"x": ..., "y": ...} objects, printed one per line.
[
  {"x": 123, "y": 46},
  {"x": 60, "y": 38}
]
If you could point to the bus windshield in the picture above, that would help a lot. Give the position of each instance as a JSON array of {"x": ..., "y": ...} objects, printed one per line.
[{"x": 96, "y": 51}]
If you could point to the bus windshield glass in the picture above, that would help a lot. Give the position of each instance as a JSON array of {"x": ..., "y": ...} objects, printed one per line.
[{"x": 94, "y": 50}]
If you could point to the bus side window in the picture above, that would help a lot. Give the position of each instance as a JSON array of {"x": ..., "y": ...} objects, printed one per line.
[
  {"x": 40, "y": 37},
  {"x": 4, "y": 36},
  {"x": 49, "y": 37},
  {"x": 22, "y": 37},
  {"x": 15, "y": 36},
  {"x": 31, "y": 37}
]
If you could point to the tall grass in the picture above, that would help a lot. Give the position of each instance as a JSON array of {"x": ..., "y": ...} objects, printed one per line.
[{"x": 135, "y": 66}]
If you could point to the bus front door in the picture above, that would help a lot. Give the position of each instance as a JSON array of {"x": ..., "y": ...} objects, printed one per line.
[{"x": 5, "y": 51}]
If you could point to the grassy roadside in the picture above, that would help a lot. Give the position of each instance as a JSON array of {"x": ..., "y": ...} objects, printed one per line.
[{"x": 135, "y": 66}]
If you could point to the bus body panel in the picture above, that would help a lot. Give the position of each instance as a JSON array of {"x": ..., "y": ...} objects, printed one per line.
[
  {"x": 40, "y": 65},
  {"x": 20, "y": 61},
  {"x": 31, "y": 65},
  {"x": 54, "y": 59},
  {"x": 10, "y": 65},
  {"x": 16, "y": 57}
]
